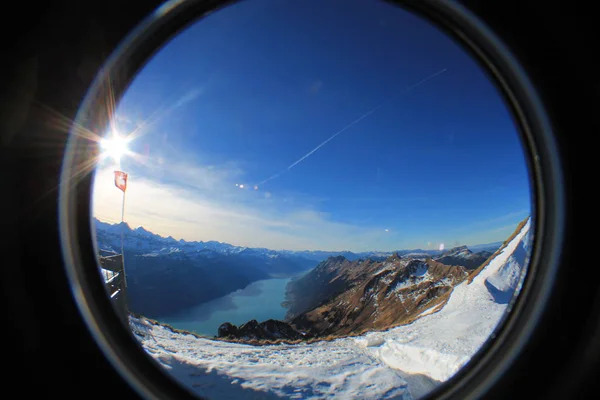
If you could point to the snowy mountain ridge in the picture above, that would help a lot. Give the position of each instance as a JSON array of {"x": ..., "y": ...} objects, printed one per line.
[
  {"x": 402, "y": 363},
  {"x": 151, "y": 243}
]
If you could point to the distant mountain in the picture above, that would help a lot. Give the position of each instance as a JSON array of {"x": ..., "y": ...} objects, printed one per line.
[
  {"x": 417, "y": 256},
  {"x": 491, "y": 247},
  {"x": 462, "y": 256},
  {"x": 166, "y": 284},
  {"x": 414, "y": 253},
  {"x": 140, "y": 240},
  {"x": 319, "y": 255},
  {"x": 145, "y": 239},
  {"x": 166, "y": 276}
]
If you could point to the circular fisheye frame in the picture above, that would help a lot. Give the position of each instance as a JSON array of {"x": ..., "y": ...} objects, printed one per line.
[{"x": 311, "y": 199}]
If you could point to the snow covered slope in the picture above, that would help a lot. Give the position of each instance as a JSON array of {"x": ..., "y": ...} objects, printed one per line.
[
  {"x": 220, "y": 370},
  {"x": 438, "y": 344},
  {"x": 401, "y": 363}
]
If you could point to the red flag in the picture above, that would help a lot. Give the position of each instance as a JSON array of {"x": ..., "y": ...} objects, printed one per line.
[{"x": 121, "y": 180}]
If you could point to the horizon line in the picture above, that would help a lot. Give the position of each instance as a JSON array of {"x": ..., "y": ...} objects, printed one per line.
[{"x": 304, "y": 250}]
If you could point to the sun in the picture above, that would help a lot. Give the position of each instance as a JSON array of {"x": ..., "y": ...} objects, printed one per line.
[{"x": 115, "y": 146}]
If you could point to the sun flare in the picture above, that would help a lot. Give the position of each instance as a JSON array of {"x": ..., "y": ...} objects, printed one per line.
[{"x": 115, "y": 146}]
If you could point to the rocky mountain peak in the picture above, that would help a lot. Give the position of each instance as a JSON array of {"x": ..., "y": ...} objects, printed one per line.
[
  {"x": 336, "y": 259},
  {"x": 458, "y": 250},
  {"x": 394, "y": 258},
  {"x": 270, "y": 329},
  {"x": 461, "y": 255},
  {"x": 142, "y": 230}
]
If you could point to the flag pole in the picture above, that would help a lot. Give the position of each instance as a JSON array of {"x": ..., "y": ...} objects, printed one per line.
[
  {"x": 121, "y": 183},
  {"x": 122, "y": 234}
]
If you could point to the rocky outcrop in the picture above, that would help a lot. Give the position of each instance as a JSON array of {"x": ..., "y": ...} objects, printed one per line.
[
  {"x": 331, "y": 277},
  {"x": 464, "y": 257},
  {"x": 227, "y": 330},
  {"x": 268, "y": 330},
  {"x": 347, "y": 297}
]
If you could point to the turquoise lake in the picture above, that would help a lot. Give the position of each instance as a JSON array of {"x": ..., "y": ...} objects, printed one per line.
[{"x": 261, "y": 300}]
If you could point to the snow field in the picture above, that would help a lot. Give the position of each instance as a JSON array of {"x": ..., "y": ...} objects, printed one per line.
[{"x": 401, "y": 363}]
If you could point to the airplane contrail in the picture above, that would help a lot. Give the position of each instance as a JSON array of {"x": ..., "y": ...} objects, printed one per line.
[{"x": 365, "y": 115}]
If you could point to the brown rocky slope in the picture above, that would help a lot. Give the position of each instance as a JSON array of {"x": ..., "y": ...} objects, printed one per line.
[
  {"x": 340, "y": 297},
  {"x": 376, "y": 295}
]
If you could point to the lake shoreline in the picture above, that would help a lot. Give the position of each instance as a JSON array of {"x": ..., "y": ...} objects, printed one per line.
[{"x": 261, "y": 300}]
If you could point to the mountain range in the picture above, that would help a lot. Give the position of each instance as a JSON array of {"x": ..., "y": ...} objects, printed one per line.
[
  {"x": 166, "y": 276},
  {"x": 405, "y": 362},
  {"x": 151, "y": 243},
  {"x": 341, "y": 297}
]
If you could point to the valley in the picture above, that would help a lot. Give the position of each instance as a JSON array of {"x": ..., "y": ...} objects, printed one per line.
[
  {"x": 166, "y": 277},
  {"x": 340, "y": 297},
  {"x": 404, "y": 362},
  {"x": 248, "y": 294}
]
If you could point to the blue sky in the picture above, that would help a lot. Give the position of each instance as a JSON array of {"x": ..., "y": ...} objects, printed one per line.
[{"x": 246, "y": 92}]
